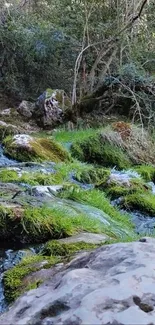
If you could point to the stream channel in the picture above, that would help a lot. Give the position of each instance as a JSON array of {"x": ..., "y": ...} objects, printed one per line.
[{"x": 10, "y": 255}]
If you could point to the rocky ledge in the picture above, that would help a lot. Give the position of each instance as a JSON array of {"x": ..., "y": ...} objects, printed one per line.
[{"x": 114, "y": 284}]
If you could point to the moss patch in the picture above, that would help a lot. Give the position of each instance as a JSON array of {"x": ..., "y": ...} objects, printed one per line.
[
  {"x": 14, "y": 278},
  {"x": 38, "y": 149},
  {"x": 7, "y": 176},
  {"x": 7, "y": 130},
  {"x": 93, "y": 175},
  {"x": 94, "y": 150},
  {"x": 115, "y": 190},
  {"x": 147, "y": 172},
  {"x": 140, "y": 201},
  {"x": 57, "y": 248},
  {"x": 121, "y": 145}
]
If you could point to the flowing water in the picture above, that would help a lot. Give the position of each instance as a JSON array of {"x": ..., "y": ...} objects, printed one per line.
[{"x": 10, "y": 256}]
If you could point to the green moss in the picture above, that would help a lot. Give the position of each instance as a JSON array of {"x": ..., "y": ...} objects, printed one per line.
[
  {"x": 95, "y": 150},
  {"x": 140, "y": 201},
  {"x": 7, "y": 130},
  {"x": 136, "y": 186},
  {"x": 93, "y": 175},
  {"x": 40, "y": 149},
  {"x": 7, "y": 176},
  {"x": 33, "y": 285},
  {"x": 57, "y": 248},
  {"x": 116, "y": 191},
  {"x": 13, "y": 279},
  {"x": 147, "y": 172}
]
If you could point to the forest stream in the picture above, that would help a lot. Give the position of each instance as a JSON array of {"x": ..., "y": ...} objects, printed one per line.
[{"x": 11, "y": 253}]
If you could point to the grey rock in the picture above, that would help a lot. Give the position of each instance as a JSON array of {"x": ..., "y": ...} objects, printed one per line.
[
  {"x": 49, "y": 108},
  {"x": 6, "y": 112},
  {"x": 45, "y": 190},
  {"x": 26, "y": 109},
  {"x": 114, "y": 284},
  {"x": 86, "y": 238}
]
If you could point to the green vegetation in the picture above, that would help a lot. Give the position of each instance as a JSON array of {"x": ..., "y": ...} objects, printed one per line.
[
  {"x": 58, "y": 248},
  {"x": 32, "y": 178},
  {"x": 93, "y": 175},
  {"x": 75, "y": 135},
  {"x": 82, "y": 172},
  {"x": 115, "y": 190},
  {"x": 120, "y": 144},
  {"x": 95, "y": 150},
  {"x": 39, "y": 149},
  {"x": 140, "y": 201},
  {"x": 15, "y": 279},
  {"x": 147, "y": 172},
  {"x": 7, "y": 130},
  {"x": 7, "y": 176},
  {"x": 36, "y": 225},
  {"x": 98, "y": 199}
]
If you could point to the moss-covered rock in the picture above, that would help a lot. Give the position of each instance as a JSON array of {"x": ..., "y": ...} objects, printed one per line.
[
  {"x": 147, "y": 172},
  {"x": 95, "y": 150},
  {"x": 115, "y": 190},
  {"x": 8, "y": 130},
  {"x": 14, "y": 279},
  {"x": 31, "y": 178},
  {"x": 140, "y": 201},
  {"x": 58, "y": 248},
  {"x": 93, "y": 175},
  {"x": 26, "y": 148},
  {"x": 36, "y": 225},
  {"x": 121, "y": 145}
]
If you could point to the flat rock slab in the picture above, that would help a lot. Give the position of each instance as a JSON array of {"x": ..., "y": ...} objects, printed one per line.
[
  {"x": 114, "y": 284},
  {"x": 86, "y": 238}
]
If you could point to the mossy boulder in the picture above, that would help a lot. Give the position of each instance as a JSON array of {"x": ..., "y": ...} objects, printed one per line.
[
  {"x": 93, "y": 175},
  {"x": 37, "y": 225},
  {"x": 51, "y": 107},
  {"x": 145, "y": 202},
  {"x": 31, "y": 178},
  {"x": 146, "y": 171},
  {"x": 26, "y": 148},
  {"x": 15, "y": 279},
  {"x": 115, "y": 190},
  {"x": 121, "y": 145},
  {"x": 95, "y": 150},
  {"x": 8, "y": 130}
]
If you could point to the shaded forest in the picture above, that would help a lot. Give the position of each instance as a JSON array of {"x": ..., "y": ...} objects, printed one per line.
[{"x": 101, "y": 53}]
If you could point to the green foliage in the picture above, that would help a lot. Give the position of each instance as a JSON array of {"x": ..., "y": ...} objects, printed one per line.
[
  {"x": 46, "y": 54},
  {"x": 58, "y": 248},
  {"x": 13, "y": 279}
]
